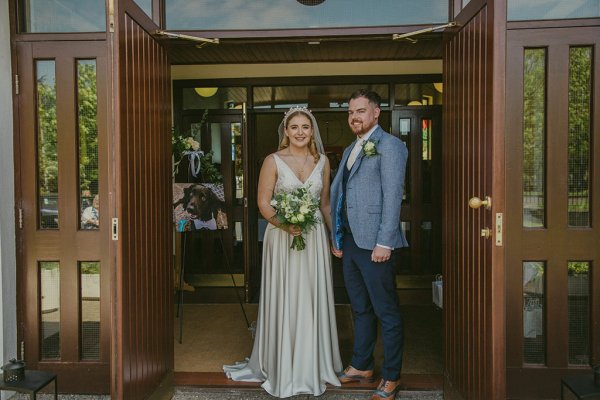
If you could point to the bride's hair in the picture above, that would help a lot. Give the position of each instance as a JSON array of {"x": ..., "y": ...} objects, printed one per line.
[
  {"x": 315, "y": 145},
  {"x": 285, "y": 140}
]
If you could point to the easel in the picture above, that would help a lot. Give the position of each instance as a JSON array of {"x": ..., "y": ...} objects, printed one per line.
[{"x": 179, "y": 313}]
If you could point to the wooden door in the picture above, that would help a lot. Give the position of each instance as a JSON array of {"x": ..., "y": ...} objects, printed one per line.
[
  {"x": 552, "y": 250},
  {"x": 421, "y": 129},
  {"x": 472, "y": 167},
  {"x": 143, "y": 334},
  {"x": 64, "y": 297}
]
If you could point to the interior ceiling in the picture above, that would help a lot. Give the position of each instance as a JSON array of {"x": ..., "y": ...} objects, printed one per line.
[{"x": 286, "y": 50}]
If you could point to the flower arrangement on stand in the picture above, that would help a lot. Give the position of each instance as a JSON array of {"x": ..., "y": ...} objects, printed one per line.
[{"x": 200, "y": 163}]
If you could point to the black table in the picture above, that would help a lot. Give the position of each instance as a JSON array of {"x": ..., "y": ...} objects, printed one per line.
[
  {"x": 33, "y": 382},
  {"x": 582, "y": 386}
]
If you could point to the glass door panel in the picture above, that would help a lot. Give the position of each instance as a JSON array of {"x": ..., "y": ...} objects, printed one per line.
[{"x": 420, "y": 129}]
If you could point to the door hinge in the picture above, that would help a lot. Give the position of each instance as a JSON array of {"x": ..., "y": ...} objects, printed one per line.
[
  {"x": 16, "y": 83},
  {"x": 22, "y": 350},
  {"x": 111, "y": 16},
  {"x": 115, "y": 229},
  {"x": 20, "y": 218}
]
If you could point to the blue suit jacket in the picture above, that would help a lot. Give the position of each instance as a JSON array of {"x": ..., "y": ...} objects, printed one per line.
[{"x": 374, "y": 194}]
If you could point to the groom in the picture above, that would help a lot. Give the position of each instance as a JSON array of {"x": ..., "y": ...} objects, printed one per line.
[{"x": 366, "y": 195}]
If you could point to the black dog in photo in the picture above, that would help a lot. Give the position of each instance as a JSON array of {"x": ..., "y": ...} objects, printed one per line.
[{"x": 200, "y": 202}]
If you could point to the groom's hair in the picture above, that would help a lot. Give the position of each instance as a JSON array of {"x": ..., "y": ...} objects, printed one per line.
[{"x": 373, "y": 97}]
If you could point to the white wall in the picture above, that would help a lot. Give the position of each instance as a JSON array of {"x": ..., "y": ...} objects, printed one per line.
[{"x": 8, "y": 292}]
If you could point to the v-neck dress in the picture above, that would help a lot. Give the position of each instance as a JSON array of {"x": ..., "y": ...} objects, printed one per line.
[{"x": 296, "y": 344}]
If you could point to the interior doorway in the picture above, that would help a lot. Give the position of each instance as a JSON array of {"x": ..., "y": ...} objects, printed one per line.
[{"x": 243, "y": 139}]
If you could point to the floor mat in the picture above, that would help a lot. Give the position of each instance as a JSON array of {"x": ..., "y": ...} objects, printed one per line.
[{"x": 216, "y": 334}]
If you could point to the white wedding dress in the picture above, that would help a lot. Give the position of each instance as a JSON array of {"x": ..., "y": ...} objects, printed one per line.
[{"x": 296, "y": 344}]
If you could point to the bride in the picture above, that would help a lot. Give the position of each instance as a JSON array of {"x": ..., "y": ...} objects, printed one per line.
[{"x": 296, "y": 345}]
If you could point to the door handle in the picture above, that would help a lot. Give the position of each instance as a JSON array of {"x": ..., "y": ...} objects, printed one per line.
[{"x": 476, "y": 202}]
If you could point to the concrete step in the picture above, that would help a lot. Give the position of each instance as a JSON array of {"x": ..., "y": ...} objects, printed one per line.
[{"x": 194, "y": 393}]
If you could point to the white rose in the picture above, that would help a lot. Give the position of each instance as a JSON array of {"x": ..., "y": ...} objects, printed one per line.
[
  {"x": 304, "y": 209},
  {"x": 294, "y": 220},
  {"x": 300, "y": 217},
  {"x": 274, "y": 203},
  {"x": 195, "y": 145},
  {"x": 369, "y": 146}
]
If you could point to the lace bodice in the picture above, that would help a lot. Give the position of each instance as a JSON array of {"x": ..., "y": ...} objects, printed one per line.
[{"x": 287, "y": 180}]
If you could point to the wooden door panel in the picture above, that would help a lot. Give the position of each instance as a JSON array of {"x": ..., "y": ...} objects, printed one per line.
[
  {"x": 67, "y": 245},
  {"x": 143, "y": 334},
  {"x": 553, "y": 242},
  {"x": 473, "y": 342}
]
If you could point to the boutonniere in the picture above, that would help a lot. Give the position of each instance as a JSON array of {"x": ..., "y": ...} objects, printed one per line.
[{"x": 370, "y": 148}]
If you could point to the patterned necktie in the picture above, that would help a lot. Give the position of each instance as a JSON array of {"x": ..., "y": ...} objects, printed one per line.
[{"x": 354, "y": 153}]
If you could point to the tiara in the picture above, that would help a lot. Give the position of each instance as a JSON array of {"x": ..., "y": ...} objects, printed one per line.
[{"x": 293, "y": 110}]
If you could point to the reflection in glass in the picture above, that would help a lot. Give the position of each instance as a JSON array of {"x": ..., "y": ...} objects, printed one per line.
[
  {"x": 278, "y": 14},
  {"x": 145, "y": 5},
  {"x": 87, "y": 125},
  {"x": 63, "y": 15},
  {"x": 49, "y": 290},
  {"x": 534, "y": 138},
  {"x": 580, "y": 119},
  {"x": 406, "y": 122},
  {"x": 47, "y": 144},
  {"x": 222, "y": 98},
  {"x": 238, "y": 162},
  {"x": 89, "y": 276},
  {"x": 520, "y": 10},
  {"x": 579, "y": 312},
  {"x": 426, "y": 163},
  {"x": 534, "y": 336},
  {"x": 313, "y": 96},
  {"x": 418, "y": 94}
]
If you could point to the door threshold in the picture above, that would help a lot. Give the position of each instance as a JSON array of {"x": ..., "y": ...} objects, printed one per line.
[{"x": 410, "y": 382}]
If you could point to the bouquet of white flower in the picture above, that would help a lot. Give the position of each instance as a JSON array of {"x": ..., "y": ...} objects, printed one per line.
[{"x": 297, "y": 208}]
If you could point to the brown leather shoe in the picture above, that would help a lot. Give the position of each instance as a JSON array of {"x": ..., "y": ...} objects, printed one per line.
[
  {"x": 386, "y": 390},
  {"x": 352, "y": 374}
]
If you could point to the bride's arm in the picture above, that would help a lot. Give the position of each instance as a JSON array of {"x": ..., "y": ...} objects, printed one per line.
[
  {"x": 325, "y": 202},
  {"x": 266, "y": 187}
]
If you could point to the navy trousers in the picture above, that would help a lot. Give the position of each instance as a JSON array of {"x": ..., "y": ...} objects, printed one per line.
[{"x": 371, "y": 287}]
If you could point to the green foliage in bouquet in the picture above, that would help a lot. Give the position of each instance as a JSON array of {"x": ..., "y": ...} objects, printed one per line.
[{"x": 298, "y": 208}]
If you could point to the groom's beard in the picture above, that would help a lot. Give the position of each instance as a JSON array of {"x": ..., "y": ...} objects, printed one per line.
[{"x": 361, "y": 128}]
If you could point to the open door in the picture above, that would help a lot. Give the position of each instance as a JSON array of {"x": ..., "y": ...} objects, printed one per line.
[
  {"x": 142, "y": 227},
  {"x": 473, "y": 168},
  {"x": 64, "y": 274}
]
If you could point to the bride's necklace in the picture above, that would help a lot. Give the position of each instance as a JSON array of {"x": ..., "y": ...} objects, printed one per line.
[{"x": 299, "y": 171}]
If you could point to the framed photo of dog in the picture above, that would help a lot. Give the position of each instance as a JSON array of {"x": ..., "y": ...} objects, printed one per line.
[{"x": 198, "y": 206}]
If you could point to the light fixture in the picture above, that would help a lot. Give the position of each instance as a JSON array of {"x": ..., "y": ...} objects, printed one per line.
[
  {"x": 439, "y": 86},
  {"x": 310, "y": 2},
  {"x": 206, "y": 91},
  {"x": 415, "y": 103}
]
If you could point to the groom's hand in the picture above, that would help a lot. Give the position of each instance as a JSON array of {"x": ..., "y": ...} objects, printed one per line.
[
  {"x": 380, "y": 254},
  {"x": 336, "y": 252}
]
